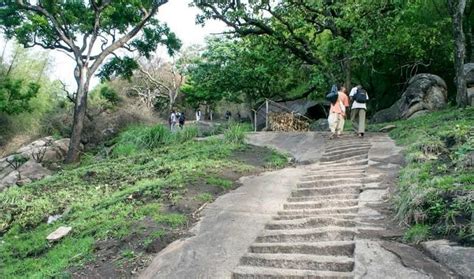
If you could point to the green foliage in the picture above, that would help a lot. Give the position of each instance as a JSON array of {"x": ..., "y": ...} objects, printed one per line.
[
  {"x": 417, "y": 233},
  {"x": 15, "y": 95},
  {"x": 110, "y": 95},
  {"x": 436, "y": 186},
  {"x": 236, "y": 133},
  {"x": 222, "y": 183},
  {"x": 276, "y": 160},
  {"x": 105, "y": 199}
]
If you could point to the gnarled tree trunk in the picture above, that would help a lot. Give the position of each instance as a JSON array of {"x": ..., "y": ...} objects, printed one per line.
[{"x": 457, "y": 11}]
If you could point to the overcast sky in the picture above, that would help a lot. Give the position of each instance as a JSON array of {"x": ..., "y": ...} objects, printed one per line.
[{"x": 179, "y": 17}]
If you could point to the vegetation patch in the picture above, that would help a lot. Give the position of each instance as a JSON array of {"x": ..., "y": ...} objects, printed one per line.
[
  {"x": 436, "y": 188},
  {"x": 122, "y": 207}
]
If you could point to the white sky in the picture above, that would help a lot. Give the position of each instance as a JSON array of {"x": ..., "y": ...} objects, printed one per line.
[{"x": 176, "y": 13}]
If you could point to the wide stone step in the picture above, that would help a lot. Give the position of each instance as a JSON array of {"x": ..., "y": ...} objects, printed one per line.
[
  {"x": 327, "y": 191},
  {"x": 313, "y": 212},
  {"x": 345, "y": 156},
  {"x": 345, "y": 146},
  {"x": 310, "y": 222},
  {"x": 362, "y": 159},
  {"x": 299, "y": 261},
  {"x": 329, "y": 182},
  {"x": 348, "y": 216},
  {"x": 331, "y": 176},
  {"x": 321, "y": 204},
  {"x": 327, "y": 248},
  {"x": 343, "y": 196},
  {"x": 253, "y": 272},
  {"x": 347, "y": 150}
]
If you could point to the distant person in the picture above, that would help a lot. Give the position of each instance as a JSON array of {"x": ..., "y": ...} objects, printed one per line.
[
  {"x": 181, "y": 120},
  {"x": 228, "y": 115},
  {"x": 359, "y": 98},
  {"x": 173, "y": 121},
  {"x": 239, "y": 117},
  {"x": 198, "y": 115},
  {"x": 337, "y": 113}
]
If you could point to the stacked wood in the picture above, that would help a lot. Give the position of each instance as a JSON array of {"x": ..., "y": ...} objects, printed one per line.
[{"x": 287, "y": 122}]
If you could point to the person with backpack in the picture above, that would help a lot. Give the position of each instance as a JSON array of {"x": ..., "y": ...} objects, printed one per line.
[
  {"x": 359, "y": 98},
  {"x": 181, "y": 120},
  {"x": 337, "y": 112},
  {"x": 173, "y": 120}
]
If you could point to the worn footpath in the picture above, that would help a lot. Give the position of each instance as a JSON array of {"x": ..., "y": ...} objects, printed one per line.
[{"x": 330, "y": 218}]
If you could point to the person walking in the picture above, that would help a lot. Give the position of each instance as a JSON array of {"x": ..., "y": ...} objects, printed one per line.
[
  {"x": 181, "y": 120},
  {"x": 359, "y": 98},
  {"x": 198, "y": 115},
  {"x": 173, "y": 120},
  {"x": 337, "y": 113}
]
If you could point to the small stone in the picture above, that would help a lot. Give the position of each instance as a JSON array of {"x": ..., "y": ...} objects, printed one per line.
[
  {"x": 59, "y": 233},
  {"x": 387, "y": 128}
]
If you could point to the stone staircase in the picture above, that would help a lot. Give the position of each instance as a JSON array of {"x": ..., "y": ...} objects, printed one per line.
[{"x": 314, "y": 235}]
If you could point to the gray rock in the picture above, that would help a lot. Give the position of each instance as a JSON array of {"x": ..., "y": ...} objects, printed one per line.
[
  {"x": 59, "y": 233},
  {"x": 387, "y": 128},
  {"x": 319, "y": 125},
  {"x": 425, "y": 93},
  {"x": 470, "y": 96},
  {"x": 469, "y": 73},
  {"x": 460, "y": 259},
  {"x": 33, "y": 171},
  {"x": 9, "y": 179}
]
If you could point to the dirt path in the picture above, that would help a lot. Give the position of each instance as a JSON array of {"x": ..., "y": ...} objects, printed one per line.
[{"x": 329, "y": 219}]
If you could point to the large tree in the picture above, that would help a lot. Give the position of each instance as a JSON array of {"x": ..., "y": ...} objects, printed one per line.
[
  {"x": 89, "y": 32},
  {"x": 456, "y": 8}
]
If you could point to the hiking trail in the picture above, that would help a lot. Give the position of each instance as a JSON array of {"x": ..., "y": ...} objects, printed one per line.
[{"x": 328, "y": 217}]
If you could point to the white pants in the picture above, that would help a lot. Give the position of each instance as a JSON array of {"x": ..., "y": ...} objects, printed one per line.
[{"x": 336, "y": 123}]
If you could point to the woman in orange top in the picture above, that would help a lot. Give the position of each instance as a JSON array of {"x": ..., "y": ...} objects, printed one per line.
[{"x": 337, "y": 113}]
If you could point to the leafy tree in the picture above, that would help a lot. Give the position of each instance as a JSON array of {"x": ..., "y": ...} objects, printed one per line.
[
  {"x": 15, "y": 95},
  {"x": 89, "y": 32}
]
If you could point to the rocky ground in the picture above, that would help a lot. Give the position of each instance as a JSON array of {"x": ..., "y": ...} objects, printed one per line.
[{"x": 330, "y": 218}]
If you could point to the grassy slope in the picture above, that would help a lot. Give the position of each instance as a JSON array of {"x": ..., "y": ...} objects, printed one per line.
[
  {"x": 436, "y": 189},
  {"x": 110, "y": 198}
]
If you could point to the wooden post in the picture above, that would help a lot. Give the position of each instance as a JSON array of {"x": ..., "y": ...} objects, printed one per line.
[
  {"x": 255, "y": 120},
  {"x": 266, "y": 114}
]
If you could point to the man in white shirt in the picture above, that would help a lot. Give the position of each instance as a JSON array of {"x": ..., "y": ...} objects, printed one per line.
[
  {"x": 173, "y": 120},
  {"x": 358, "y": 109}
]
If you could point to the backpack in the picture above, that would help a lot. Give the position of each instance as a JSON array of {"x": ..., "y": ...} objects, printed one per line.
[
  {"x": 360, "y": 96},
  {"x": 333, "y": 95},
  {"x": 181, "y": 117}
]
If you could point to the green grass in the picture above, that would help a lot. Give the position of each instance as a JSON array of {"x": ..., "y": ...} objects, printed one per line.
[
  {"x": 236, "y": 133},
  {"x": 276, "y": 160},
  {"x": 435, "y": 195},
  {"x": 106, "y": 198},
  {"x": 222, "y": 183},
  {"x": 205, "y": 197}
]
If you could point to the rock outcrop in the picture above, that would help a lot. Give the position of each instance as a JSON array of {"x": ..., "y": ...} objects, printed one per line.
[
  {"x": 425, "y": 93},
  {"x": 32, "y": 162},
  {"x": 469, "y": 72}
]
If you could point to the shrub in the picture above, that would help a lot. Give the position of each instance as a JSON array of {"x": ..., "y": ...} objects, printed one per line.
[{"x": 235, "y": 133}]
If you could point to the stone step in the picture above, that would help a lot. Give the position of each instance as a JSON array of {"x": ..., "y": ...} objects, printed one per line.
[
  {"x": 345, "y": 146},
  {"x": 326, "y": 191},
  {"x": 343, "y": 196},
  {"x": 347, "y": 216},
  {"x": 342, "y": 175},
  {"x": 328, "y": 248},
  {"x": 347, "y": 150},
  {"x": 321, "y": 204},
  {"x": 253, "y": 272},
  {"x": 362, "y": 159},
  {"x": 345, "y": 156},
  {"x": 309, "y": 222},
  {"x": 314, "y": 212},
  {"x": 329, "y": 182},
  {"x": 299, "y": 261},
  {"x": 355, "y": 166}
]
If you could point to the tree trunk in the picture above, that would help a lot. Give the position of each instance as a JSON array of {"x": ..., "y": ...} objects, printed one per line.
[
  {"x": 457, "y": 11},
  {"x": 80, "y": 109},
  {"x": 347, "y": 67}
]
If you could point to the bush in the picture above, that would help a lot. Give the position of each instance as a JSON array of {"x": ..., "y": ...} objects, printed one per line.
[{"x": 236, "y": 133}]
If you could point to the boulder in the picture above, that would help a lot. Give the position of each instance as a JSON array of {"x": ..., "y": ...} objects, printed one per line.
[
  {"x": 33, "y": 171},
  {"x": 469, "y": 73},
  {"x": 10, "y": 179},
  {"x": 458, "y": 258},
  {"x": 387, "y": 128},
  {"x": 470, "y": 96},
  {"x": 425, "y": 93},
  {"x": 319, "y": 125}
]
